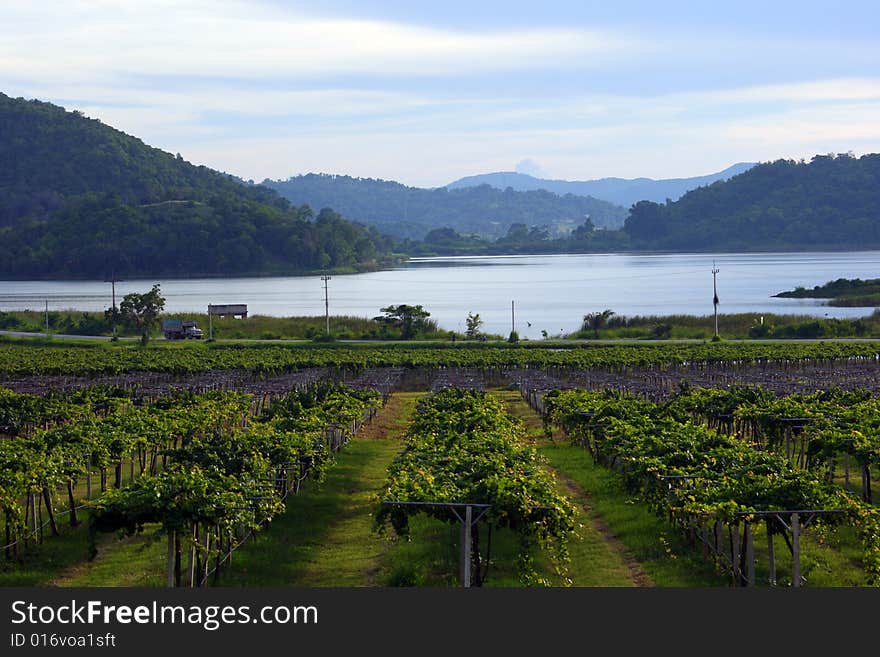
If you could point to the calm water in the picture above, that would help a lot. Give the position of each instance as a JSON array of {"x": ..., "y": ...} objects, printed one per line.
[{"x": 551, "y": 293}]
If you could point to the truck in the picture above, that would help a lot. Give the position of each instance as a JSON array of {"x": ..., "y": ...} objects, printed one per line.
[{"x": 181, "y": 329}]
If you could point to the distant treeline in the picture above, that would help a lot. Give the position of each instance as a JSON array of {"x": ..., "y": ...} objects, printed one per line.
[
  {"x": 411, "y": 212},
  {"x": 842, "y": 292},
  {"x": 832, "y": 202}
]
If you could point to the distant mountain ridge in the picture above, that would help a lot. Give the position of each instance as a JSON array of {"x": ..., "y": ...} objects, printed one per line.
[
  {"x": 620, "y": 191},
  {"x": 412, "y": 212}
]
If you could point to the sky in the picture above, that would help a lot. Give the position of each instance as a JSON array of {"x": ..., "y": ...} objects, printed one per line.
[{"x": 427, "y": 92}]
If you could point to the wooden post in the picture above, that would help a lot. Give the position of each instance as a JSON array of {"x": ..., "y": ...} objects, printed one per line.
[
  {"x": 207, "y": 562},
  {"x": 34, "y": 513},
  {"x": 734, "y": 554},
  {"x": 770, "y": 556},
  {"x": 466, "y": 548},
  {"x": 47, "y": 497},
  {"x": 71, "y": 500},
  {"x": 8, "y": 544},
  {"x": 704, "y": 539},
  {"x": 796, "y": 550},
  {"x": 475, "y": 549},
  {"x": 177, "y": 559},
  {"x": 170, "y": 581},
  {"x": 38, "y": 500},
  {"x": 88, "y": 476},
  {"x": 750, "y": 554},
  {"x": 191, "y": 566}
]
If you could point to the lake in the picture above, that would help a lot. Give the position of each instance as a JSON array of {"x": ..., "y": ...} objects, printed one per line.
[{"x": 551, "y": 292}]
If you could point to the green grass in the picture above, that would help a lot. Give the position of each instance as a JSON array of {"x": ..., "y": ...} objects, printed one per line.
[
  {"x": 121, "y": 561},
  {"x": 430, "y": 555},
  {"x": 660, "y": 554},
  {"x": 664, "y": 556},
  {"x": 262, "y": 327},
  {"x": 829, "y": 557},
  {"x": 254, "y": 327},
  {"x": 41, "y": 564},
  {"x": 326, "y": 538}
]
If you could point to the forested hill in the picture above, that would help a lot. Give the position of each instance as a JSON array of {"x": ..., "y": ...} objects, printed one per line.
[
  {"x": 412, "y": 212},
  {"x": 81, "y": 199},
  {"x": 829, "y": 202}
]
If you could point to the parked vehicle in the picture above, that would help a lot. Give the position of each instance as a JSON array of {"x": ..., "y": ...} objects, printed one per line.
[{"x": 181, "y": 329}]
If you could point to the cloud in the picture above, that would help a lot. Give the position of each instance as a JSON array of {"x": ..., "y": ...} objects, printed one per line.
[
  {"x": 840, "y": 124},
  {"x": 262, "y": 90},
  {"x": 529, "y": 167},
  {"x": 232, "y": 38}
]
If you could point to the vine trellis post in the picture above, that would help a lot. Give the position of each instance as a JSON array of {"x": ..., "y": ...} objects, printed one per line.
[
  {"x": 792, "y": 521},
  {"x": 467, "y": 522}
]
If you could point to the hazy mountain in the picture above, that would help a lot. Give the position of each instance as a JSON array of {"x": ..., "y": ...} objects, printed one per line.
[
  {"x": 81, "y": 199},
  {"x": 412, "y": 212},
  {"x": 620, "y": 191}
]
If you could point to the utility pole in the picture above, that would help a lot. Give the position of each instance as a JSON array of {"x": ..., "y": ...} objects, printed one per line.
[
  {"x": 47, "y": 318},
  {"x": 210, "y": 324},
  {"x": 715, "y": 271},
  {"x": 113, "y": 281},
  {"x": 326, "y": 304}
]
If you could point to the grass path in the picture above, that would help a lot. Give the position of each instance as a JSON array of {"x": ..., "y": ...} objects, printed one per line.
[
  {"x": 598, "y": 557},
  {"x": 652, "y": 552},
  {"x": 326, "y": 537},
  {"x": 130, "y": 561}
]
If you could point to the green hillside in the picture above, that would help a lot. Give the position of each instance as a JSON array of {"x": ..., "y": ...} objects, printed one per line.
[
  {"x": 81, "y": 199},
  {"x": 829, "y": 202}
]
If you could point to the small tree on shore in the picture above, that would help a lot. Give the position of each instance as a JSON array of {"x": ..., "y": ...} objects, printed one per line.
[
  {"x": 142, "y": 310},
  {"x": 411, "y": 320},
  {"x": 473, "y": 322},
  {"x": 595, "y": 321}
]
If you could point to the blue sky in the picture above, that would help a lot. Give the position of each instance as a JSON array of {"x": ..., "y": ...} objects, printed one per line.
[{"x": 425, "y": 93}]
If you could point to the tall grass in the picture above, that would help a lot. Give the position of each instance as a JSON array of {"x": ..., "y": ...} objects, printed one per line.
[{"x": 740, "y": 325}]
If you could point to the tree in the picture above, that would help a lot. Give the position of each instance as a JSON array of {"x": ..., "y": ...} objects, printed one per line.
[
  {"x": 584, "y": 231},
  {"x": 409, "y": 319},
  {"x": 142, "y": 310},
  {"x": 595, "y": 321},
  {"x": 474, "y": 322}
]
